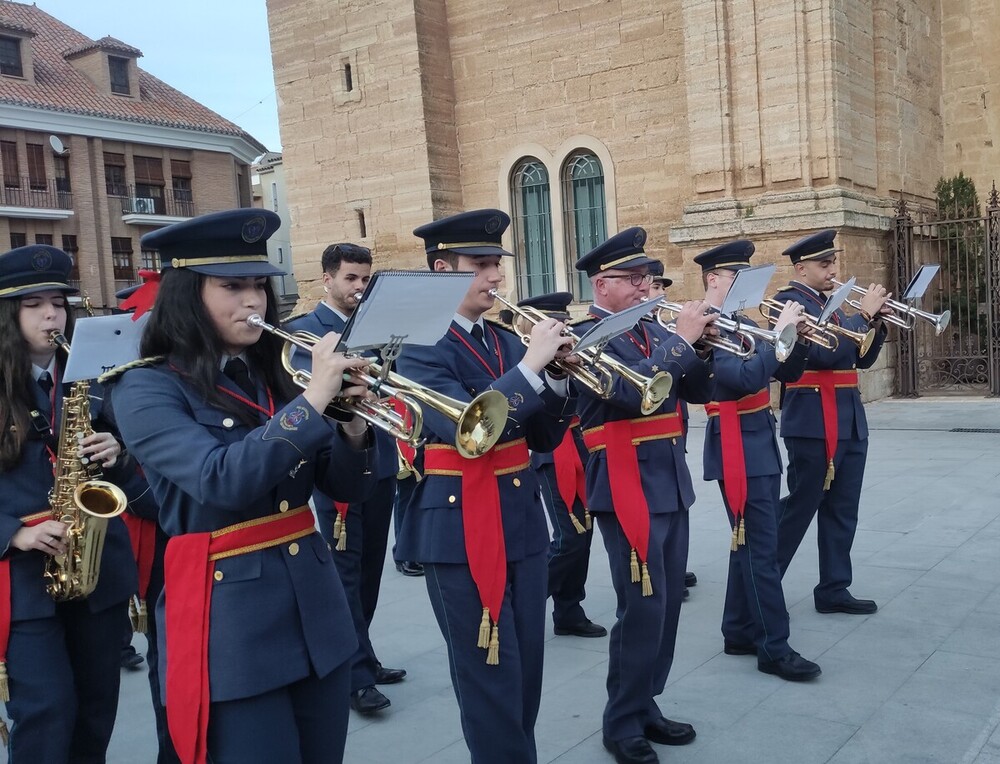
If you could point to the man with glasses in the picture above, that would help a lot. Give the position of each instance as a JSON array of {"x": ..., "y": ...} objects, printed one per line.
[
  {"x": 359, "y": 531},
  {"x": 639, "y": 490}
]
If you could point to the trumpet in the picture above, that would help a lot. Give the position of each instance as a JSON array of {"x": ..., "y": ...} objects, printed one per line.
[
  {"x": 825, "y": 335},
  {"x": 478, "y": 424},
  {"x": 783, "y": 341},
  {"x": 597, "y": 371},
  {"x": 904, "y": 316}
]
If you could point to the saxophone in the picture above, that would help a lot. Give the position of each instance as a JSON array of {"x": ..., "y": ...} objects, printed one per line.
[{"x": 79, "y": 499}]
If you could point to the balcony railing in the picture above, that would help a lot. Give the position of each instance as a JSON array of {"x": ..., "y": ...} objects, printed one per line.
[
  {"x": 172, "y": 203},
  {"x": 22, "y": 191}
]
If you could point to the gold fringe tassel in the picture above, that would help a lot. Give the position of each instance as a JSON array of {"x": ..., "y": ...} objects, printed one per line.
[
  {"x": 484, "y": 630},
  {"x": 133, "y": 614},
  {"x": 586, "y": 519},
  {"x": 493, "y": 654},
  {"x": 4, "y": 683},
  {"x": 647, "y": 584},
  {"x": 4, "y": 733},
  {"x": 634, "y": 565},
  {"x": 137, "y": 615},
  {"x": 741, "y": 537},
  {"x": 340, "y": 532},
  {"x": 576, "y": 524},
  {"x": 829, "y": 476},
  {"x": 733, "y": 543}
]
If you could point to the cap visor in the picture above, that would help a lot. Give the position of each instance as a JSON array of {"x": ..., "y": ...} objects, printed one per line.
[
  {"x": 36, "y": 288},
  {"x": 238, "y": 270},
  {"x": 476, "y": 251},
  {"x": 634, "y": 262}
]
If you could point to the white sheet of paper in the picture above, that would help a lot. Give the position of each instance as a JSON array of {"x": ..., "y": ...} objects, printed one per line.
[
  {"x": 748, "y": 289},
  {"x": 920, "y": 281},
  {"x": 409, "y": 307},
  {"x": 102, "y": 343},
  {"x": 836, "y": 300},
  {"x": 613, "y": 325}
]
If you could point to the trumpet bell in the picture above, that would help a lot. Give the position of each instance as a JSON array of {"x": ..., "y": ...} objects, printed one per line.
[
  {"x": 481, "y": 424},
  {"x": 941, "y": 322}
]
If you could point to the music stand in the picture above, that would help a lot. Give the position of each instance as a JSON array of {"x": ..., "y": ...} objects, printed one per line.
[
  {"x": 103, "y": 343},
  {"x": 919, "y": 283},
  {"x": 748, "y": 289},
  {"x": 836, "y": 300},
  {"x": 609, "y": 327}
]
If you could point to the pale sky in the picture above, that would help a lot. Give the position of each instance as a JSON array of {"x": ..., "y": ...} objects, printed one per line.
[{"x": 215, "y": 51}]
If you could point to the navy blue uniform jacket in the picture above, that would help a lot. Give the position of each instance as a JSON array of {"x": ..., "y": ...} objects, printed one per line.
[
  {"x": 274, "y": 616},
  {"x": 432, "y": 528},
  {"x": 801, "y": 411}
]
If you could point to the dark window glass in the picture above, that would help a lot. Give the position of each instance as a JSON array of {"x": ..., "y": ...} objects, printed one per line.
[
  {"x": 43, "y": 238},
  {"x": 63, "y": 184},
  {"x": 118, "y": 67},
  {"x": 70, "y": 248},
  {"x": 584, "y": 215},
  {"x": 10, "y": 57},
  {"x": 11, "y": 171},
  {"x": 36, "y": 166},
  {"x": 18, "y": 240},
  {"x": 114, "y": 174},
  {"x": 530, "y": 201},
  {"x": 121, "y": 257}
]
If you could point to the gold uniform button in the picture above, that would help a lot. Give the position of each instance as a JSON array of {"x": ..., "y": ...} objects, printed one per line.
[
  {"x": 228, "y": 423},
  {"x": 517, "y": 482},
  {"x": 219, "y": 575},
  {"x": 451, "y": 499},
  {"x": 293, "y": 549},
  {"x": 283, "y": 506}
]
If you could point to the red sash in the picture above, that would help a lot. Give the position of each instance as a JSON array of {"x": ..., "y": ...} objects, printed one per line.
[
  {"x": 482, "y": 523},
  {"x": 142, "y": 534},
  {"x": 619, "y": 439},
  {"x": 734, "y": 466},
  {"x": 825, "y": 383},
  {"x": 28, "y": 521},
  {"x": 189, "y": 575},
  {"x": 570, "y": 478}
]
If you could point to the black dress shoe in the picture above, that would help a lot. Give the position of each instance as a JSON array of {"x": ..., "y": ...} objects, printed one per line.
[
  {"x": 408, "y": 568},
  {"x": 368, "y": 700},
  {"x": 792, "y": 667},
  {"x": 851, "y": 605},
  {"x": 734, "y": 648},
  {"x": 667, "y": 732},
  {"x": 585, "y": 628},
  {"x": 131, "y": 660},
  {"x": 632, "y": 750},
  {"x": 690, "y": 579},
  {"x": 389, "y": 676}
]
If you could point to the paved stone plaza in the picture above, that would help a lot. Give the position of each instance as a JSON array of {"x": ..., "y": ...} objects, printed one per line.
[{"x": 917, "y": 682}]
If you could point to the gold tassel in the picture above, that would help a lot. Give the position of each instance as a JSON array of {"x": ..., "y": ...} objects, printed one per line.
[
  {"x": 338, "y": 526},
  {"x": 4, "y": 683},
  {"x": 829, "y": 476},
  {"x": 741, "y": 538},
  {"x": 484, "y": 630},
  {"x": 634, "y": 564},
  {"x": 647, "y": 584},
  {"x": 133, "y": 614},
  {"x": 493, "y": 654},
  {"x": 342, "y": 541},
  {"x": 142, "y": 618},
  {"x": 4, "y": 733},
  {"x": 576, "y": 524},
  {"x": 733, "y": 542},
  {"x": 586, "y": 519}
]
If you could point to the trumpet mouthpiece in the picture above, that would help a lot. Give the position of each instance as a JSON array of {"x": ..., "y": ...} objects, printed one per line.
[{"x": 254, "y": 319}]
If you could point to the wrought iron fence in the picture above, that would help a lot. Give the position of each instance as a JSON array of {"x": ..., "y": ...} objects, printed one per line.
[
  {"x": 22, "y": 191},
  {"x": 173, "y": 202}
]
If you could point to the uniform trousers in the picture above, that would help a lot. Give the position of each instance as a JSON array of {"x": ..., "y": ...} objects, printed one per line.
[
  {"x": 569, "y": 553},
  {"x": 641, "y": 647},
  {"x": 404, "y": 492},
  {"x": 836, "y": 510},
  {"x": 498, "y": 704},
  {"x": 65, "y": 672},
  {"x": 301, "y": 723},
  {"x": 360, "y": 566},
  {"x": 755, "y": 612}
]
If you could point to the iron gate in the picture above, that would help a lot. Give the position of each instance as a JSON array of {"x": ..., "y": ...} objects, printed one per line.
[{"x": 965, "y": 357}]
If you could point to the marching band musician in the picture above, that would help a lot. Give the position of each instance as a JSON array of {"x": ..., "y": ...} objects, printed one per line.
[
  {"x": 58, "y": 660},
  {"x": 477, "y": 525},
  {"x": 825, "y": 431},
  {"x": 561, "y": 477},
  {"x": 358, "y": 531},
  {"x": 253, "y": 618},
  {"x": 741, "y": 452},
  {"x": 639, "y": 490}
]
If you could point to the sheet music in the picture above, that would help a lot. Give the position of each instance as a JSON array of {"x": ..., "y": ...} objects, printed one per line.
[
  {"x": 919, "y": 283},
  {"x": 102, "y": 343},
  {"x": 611, "y": 326},
  {"x": 748, "y": 289},
  {"x": 836, "y": 300},
  {"x": 405, "y": 308}
]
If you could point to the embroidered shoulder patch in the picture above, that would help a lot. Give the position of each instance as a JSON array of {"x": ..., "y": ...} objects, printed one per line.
[
  {"x": 514, "y": 401},
  {"x": 291, "y": 420},
  {"x": 678, "y": 350}
]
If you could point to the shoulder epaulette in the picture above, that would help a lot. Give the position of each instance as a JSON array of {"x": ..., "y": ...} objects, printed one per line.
[
  {"x": 295, "y": 317},
  {"x": 498, "y": 324},
  {"x": 139, "y": 363},
  {"x": 581, "y": 320}
]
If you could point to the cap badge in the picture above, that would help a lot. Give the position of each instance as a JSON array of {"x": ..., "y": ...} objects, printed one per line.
[
  {"x": 493, "y": 224},
  {"x": 253, "y": 229},
  {"x": 41, "y": 260},
  {"x": 639, "y": 239}
]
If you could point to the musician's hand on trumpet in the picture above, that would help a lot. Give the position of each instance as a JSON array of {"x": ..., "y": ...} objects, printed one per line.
[
  {"x": 873, "y": 303},
  {"x": 329, "y": 370},
  {"x": 792, "y": 314},
  {"x": 694, "y": 322}
]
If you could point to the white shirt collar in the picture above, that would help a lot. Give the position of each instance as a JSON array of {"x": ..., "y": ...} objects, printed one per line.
[
  {"x": 227, "y": 358},
  {"x": 37, "y": 371},
  {"x": 467, "y": 324}
]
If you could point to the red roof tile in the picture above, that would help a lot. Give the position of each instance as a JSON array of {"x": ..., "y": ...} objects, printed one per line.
[
  {"x": 59, "y": 86},
  {"x": 106, "y": 43}
]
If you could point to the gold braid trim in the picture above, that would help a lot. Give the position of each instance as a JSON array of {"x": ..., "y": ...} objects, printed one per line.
[{"x": 139, "y": 363}]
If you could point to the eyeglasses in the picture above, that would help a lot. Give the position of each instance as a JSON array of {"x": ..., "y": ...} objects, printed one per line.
[{"x": 635, "y": 279}]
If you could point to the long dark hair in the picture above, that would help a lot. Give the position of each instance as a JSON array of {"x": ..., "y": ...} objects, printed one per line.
[
  {"x": 180, "y": 328},
  {"x": 16, "y": 392}
]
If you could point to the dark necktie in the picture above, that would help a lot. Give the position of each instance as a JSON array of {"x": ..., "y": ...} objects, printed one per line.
[
  {"x": 237, "y": 371},
  {"x": 477, "y": 333},
  {"x": 45, "y": 382}
]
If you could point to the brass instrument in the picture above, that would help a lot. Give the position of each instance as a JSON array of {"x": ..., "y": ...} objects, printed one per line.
[
  {"x": 783, "y": 341},
  {"x": 597, "y": 371},
  {"x": 479, "y": 424},
  {"x": 825, "y": 335},
  {"x": 904, "y": 316},
  {"x": 79, "y": 499}
]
